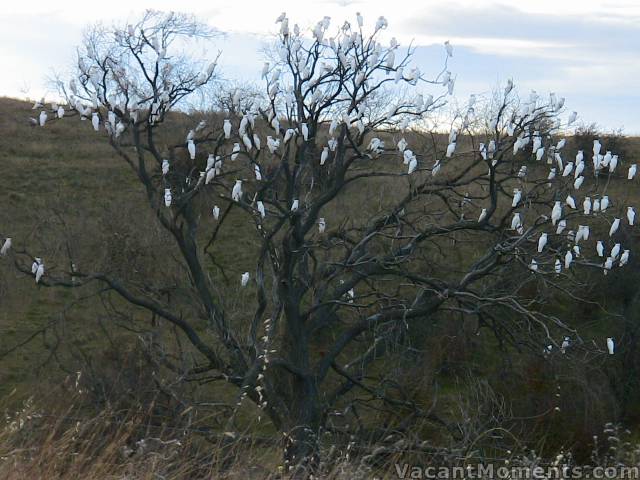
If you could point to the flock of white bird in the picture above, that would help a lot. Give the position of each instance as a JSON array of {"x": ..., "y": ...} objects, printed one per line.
[
  {"x": 248, "y": 140},
  {"x": 589, "y": 208}
]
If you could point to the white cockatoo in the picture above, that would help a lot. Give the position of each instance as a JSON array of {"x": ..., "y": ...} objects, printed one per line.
[
  {"x": 596, "y": 147},
  {"x": 226, "y": 127},
  {"x": 391, "y": 59},
  {"x": 376, "y": 145},
  {"x": 558, "y": 158},
  {"x": 289, "y": 134},
  {"x": 517, "y": 195},
  {"x": 558, "y": 266},
  {"x": 556, "y": 212},
  {"x": 610, "y": 345},
  {"x": 305, "y": 131},
  {"x": 453, "y": 134},
  {"x": 608, "y": 264},
  {"x": 624, "y": 258},
  {"x": 567, "y": 169},
  {"x": 235, "y": 151},
  {"x": 632, "y": 171},
  {"x": 261, "y": 210},
  {"x": 167, "y": 197},
  {"x": 332, "y": 127},
  {"x": 324, "y": 155},
  {"x": 165, "y": 166},
  {"x": 483, "y": 151},
  {"x": 604, "y": 203},
  {"x": 210, "y": 175},
  {"x": 577, "y": 183},
  {"x": 586, "y": 205},
  {"x": 614, "y": 227},
  {"x": 542, "y": 241},
  {"x": 95, "y": 121},
  {"x": 321, "y": 225},
  {"x": 295, "y": 205},
  {"x": 483, "y": 215},
  {"x": 257, "y": 172},
  {"x": 579, "y": 169},
  {"x": 533, "y": 266},
  {"x": 216, "y": 212},
  {"x": 5, "y": 246},
  {"x": 43, "y": 118},
  {"x": 39, "y": 270},
  {"x": 631, "y": 215},
  {"x": 582, "y": 233},
  {"x": 247, "y": 142},
  {"x": 508, "y": 87},
  {"x": 236, "y": 192},
  {"x": 413, "y": 164},
  {"x": 570, "y": 202},
  {"x": 615, "y": 251},
  {"x": 516, "y": 221},
  {"x": 451, "y": 148},
  {"x": 244, "y": 280},
  {"x": 518, "y": 144},
  {"x": 60, "y": 112},
  {"x": 600, "y": 248},
  {"x": 562, "y": 224},
  {"x": 448, "y": 48},
  {"x": 272, "y": 144},
  {"x": 256, "y": 141},
  {"x": 191, "y": 146},
  {"x": 568, "y": 258},
  {"x": 201, "y": 125}
]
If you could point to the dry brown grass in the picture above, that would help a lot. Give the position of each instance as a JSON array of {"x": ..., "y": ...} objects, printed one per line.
[{"x": 66, "y": 444}]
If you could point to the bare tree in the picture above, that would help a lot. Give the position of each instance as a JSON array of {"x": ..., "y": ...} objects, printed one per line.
[{"x": 361, "y": 229}]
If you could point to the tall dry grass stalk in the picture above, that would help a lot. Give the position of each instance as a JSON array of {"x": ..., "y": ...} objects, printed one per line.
[{"x": 71, "y": 443}]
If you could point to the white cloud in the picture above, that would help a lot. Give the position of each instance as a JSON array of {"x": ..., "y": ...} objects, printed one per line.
[{"x": 582, "y": 47}]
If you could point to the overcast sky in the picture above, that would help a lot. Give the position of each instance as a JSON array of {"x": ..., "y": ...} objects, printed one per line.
[{"x": 585, "y": 50}]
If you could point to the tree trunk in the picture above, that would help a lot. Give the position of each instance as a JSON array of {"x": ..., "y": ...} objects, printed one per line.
[{"x": 301, "y": 432}]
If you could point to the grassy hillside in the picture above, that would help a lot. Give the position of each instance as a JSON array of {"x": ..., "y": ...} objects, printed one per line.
[{"x": 64, "y": 190}]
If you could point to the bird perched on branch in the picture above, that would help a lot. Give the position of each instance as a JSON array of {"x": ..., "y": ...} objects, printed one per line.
[
  {"x": 37, "y": 268},
  {"x": 236, "y": 192},
  {"x": 5, "y": 246},
  {"x": 610, "y": 345}
]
